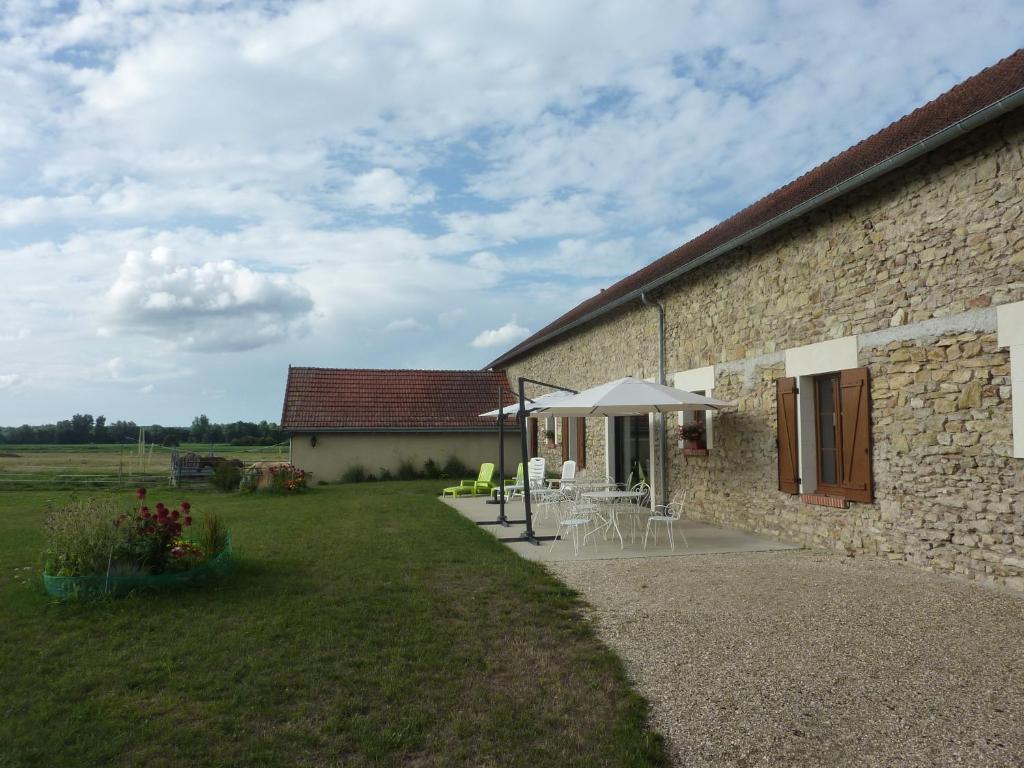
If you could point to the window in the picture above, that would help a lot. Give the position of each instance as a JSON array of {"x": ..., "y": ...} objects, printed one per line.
[
  {"x": 695, "y": 423},
  {"x": 700, "y": 381},
  {"x": 574, "y": 440},
  {"x": 826, "y": 395},
  {"x": 836, "y": 426}
]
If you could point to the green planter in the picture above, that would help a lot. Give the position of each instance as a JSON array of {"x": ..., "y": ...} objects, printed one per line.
[{"x": 90, "y": 586}]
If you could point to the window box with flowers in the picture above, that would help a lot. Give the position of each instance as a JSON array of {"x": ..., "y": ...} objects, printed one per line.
[
  {"x": 694, "y": 435},
  {"x": 94, "y": 548}
]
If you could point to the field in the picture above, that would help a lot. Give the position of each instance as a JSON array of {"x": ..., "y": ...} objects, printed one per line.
[
  {"x": 363, "y": 625},
  {"x": 59, "y": 466}
]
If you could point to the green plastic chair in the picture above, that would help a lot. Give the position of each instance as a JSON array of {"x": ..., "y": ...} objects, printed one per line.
[{"x": 483, "y": 483}]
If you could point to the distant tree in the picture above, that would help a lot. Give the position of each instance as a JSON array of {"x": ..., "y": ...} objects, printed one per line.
[
  {"x": 200, "y": 430},
  {"x": 99, "y": 430},
  {"x": 81, "y": 428}
]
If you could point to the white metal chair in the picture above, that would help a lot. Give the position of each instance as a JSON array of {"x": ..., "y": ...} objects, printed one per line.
[
  {"x": 637, "y": 508},
  {"x": 577, "y": 517},
  {"x": 666, "y": 515}
]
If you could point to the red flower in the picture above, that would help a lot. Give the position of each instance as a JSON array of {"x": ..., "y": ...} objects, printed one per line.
[
  {"x": 174, "y": 515},
  {"x": 185, "y": 507},
  {"x": 140, "y": 493},
  {"x": 145, "y": 513},
  {"x": 161, "y": 511},
  {"x": 188, "y": 520},
  {"x": 150, "y": 529}
]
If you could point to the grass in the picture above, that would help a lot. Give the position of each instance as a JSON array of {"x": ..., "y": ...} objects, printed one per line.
[
  {"x": 46, "y": 465},
  {"x": 362, "y": 626}
]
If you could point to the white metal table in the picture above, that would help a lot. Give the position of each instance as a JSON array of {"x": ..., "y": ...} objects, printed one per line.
[{"x": 611, "y": 498}]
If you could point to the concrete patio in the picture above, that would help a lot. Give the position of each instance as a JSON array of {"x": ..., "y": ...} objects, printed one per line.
[{"x": 703, "y": 539}]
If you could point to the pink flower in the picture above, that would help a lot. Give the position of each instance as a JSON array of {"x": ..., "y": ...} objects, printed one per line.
[{"x": 140, "y": 493}]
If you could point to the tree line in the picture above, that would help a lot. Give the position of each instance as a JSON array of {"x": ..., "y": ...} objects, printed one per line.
[{"x": 83, "y": 429}]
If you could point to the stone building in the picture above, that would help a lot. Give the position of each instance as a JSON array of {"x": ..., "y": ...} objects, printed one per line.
[
  {"x": 867, "y": 320},
  {"x": 338, "y": 419}
]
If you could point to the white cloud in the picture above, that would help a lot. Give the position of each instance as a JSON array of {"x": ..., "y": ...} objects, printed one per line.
[
  {"x": 405, "y": 324},
  {"x": 215, "y": 306},
  {"x": 386, "y": 191},
  {"x": 503, "y": 336},
  {"x": 9, "y": 380}
]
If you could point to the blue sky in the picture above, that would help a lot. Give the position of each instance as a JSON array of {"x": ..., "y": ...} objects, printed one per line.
[{"x": 195, "y": 194}]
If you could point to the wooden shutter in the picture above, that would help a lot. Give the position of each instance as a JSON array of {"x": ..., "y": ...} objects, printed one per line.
[
  {"x": 531, "y": 430},
  {"x": 565, "y": 439},
  {"x": 785, "y": 404},
  {"x": 581, "y": 443},
  {"x": 854, "y": 415}
]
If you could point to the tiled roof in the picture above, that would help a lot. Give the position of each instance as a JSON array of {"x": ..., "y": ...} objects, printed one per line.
[
  {"x": 369, "y": 399},
  {"x": 976, "y": 93}
]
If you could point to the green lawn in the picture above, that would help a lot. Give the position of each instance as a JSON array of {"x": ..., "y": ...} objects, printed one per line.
[{"x": 363, "y": 625}]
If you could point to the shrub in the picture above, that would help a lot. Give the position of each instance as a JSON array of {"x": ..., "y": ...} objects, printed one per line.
[
  {"x": 407, "y": 470},
  {"x": 431, "y": 469},
  {"x": 81, "y": 538},
  {"x": 226, "y": 477},
  {"x": 287, "y": 478},
  {"x": 354, "y": 474},
  {"x": 385, "y": 474},
  {"x": 214, "y": 536},
  {"x": 90, "y": 538},
  {"x": 455, "y": 468}
]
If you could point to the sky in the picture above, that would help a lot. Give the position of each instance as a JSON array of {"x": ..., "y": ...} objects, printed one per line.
[{"x": 195, "y": 194}]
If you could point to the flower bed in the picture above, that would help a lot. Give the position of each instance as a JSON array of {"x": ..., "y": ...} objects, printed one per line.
[
  {"x": 94, "y": 549},
  {"x": 115, "y": 585}
]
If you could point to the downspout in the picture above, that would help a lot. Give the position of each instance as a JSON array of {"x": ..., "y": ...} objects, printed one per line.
[{"x": 662, "y": 433}]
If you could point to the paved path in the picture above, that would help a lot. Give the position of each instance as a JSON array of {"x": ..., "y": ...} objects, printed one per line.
[
  {"x": 702, "y": 538},
  {"x": 801, "y": 658}
]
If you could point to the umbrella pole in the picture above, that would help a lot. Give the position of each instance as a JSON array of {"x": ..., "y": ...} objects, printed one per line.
[
  {"x": 502, "y": 519},
  {"x": 529, "y": 535}
]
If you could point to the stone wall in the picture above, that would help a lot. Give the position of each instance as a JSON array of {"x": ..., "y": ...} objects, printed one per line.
[{"x": 911, "y": 265}]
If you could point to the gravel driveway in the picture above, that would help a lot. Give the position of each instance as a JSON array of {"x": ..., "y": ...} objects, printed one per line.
[{"x": 802, "y": 658}]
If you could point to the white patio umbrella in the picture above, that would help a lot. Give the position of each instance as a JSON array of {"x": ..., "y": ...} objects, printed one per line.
[
  {"x": 626, "y": 397},
  {"x": 532, "y": 405}
]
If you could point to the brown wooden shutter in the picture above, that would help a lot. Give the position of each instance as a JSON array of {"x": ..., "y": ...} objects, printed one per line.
[
  {"x": 855, "y": 417},
  {"x": 581, "y": 443},
  {"x": 785, "y": 403},
  {"x": 565, "y": 439},
  {"x": 531, "y": 430}
]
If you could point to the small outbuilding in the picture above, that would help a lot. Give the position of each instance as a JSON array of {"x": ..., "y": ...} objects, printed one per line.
[{"x": 376, "y": 420}]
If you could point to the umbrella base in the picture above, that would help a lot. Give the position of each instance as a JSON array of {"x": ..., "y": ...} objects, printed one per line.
[{"x": 535, "y": 540}]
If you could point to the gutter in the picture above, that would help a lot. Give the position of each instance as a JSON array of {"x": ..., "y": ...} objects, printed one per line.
[{"x": 949, "y": 133}]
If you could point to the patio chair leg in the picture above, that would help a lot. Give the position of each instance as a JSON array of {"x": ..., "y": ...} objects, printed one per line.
[
  {"x": 671, "y": 541},
  {"x": 647, "y": 533}
]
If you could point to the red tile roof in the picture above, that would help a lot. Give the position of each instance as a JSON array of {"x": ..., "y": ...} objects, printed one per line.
[
  {"x": 325, "y": 399},
  {"x": 976, "y": 93}
]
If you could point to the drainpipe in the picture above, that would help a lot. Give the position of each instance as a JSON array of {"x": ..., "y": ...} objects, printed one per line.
[{"x": 662, "y": 437}]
